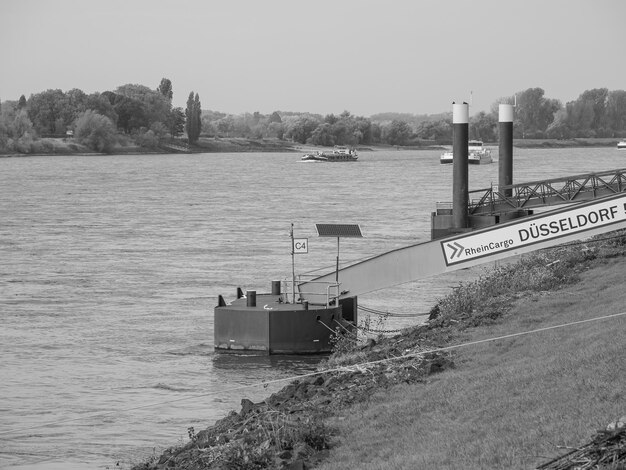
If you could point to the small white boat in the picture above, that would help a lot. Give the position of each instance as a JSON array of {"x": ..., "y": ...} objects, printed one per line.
[
  {"x": 621, "y": 144},
  {"x": 338, "y": 154},
  {"x": 477, "y": 154},
  {"x": 446, "y": 157}
]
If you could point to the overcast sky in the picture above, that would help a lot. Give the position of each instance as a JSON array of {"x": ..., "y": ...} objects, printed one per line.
[{"x": 319, "y": 56}]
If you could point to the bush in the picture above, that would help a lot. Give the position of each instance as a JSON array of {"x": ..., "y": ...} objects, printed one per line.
[
  {"x": 490, "y": 296},
  {"x": 95, "y": 131},
  {"x": 147, "y": 140}
]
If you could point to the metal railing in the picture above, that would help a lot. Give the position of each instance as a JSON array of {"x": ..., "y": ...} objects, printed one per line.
[
  {"x": 326, "y": 295},
  {"x": 498, "y": 199}
]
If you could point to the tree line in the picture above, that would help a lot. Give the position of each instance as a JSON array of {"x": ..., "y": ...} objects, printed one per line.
[
  {"x": 146, "y": 117},
  {"x": 132, "y": 114}
]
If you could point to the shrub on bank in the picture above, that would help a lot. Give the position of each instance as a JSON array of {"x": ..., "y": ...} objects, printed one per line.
[
  {"x": 488, "y": 297},
  {"x": 96, "y": 131}
]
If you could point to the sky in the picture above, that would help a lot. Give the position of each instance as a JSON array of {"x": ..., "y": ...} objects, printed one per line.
[{"x": 318, "y": 56}]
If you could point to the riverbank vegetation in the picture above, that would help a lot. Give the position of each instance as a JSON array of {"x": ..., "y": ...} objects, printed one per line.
[
  {"x": 513, "y": 368},
  {"x": 136, "y": 118}
]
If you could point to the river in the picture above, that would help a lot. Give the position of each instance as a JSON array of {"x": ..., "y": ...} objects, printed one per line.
[{"x": 111, "y": 267}]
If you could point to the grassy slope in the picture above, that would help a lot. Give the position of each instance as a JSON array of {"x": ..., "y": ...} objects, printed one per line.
[{"x": 510, "y": 403}]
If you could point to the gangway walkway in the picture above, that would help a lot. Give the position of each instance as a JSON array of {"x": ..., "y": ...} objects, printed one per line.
[
  {"x": 514, "y": 197},
  {"x": 575, "y": 222}
]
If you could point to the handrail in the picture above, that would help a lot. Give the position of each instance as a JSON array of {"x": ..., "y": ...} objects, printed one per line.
[
  {"x": 329, "y": 296},
  {"x": 547, "y": 192}
]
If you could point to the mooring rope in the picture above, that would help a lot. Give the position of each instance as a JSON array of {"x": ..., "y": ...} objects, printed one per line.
[
  {"x": 346, "y": 330},
  {"x": 320, "y": 372},
  {"x": 326, "y": 326},
  {"x": 372, "y": 330},
  {"x": 382, "y": 313}
]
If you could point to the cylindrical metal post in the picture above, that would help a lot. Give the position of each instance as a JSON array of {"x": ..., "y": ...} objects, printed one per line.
[
  {"x": 337, "y": 270},
  {"x": 251, "y": 298},
  {"x": 505, "y": 149},
  {"x": 460, "y": 184},
  {"x": 293, "y": 268}
]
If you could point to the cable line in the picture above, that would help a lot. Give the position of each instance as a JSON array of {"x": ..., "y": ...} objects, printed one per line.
[{"x": 391, "y": 314}]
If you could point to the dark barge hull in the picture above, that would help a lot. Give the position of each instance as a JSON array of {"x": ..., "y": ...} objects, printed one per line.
[{"x": 271, "y": 326}]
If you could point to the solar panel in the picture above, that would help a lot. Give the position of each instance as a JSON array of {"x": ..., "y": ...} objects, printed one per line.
[{"x": 338, "y": 230}]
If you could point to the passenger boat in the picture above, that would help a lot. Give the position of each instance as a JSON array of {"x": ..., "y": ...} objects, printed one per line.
[
  {"x": 621, "y": 144},
  {"x": 477, "y": 154},
  {"x": 446, "y": 157},
  {"x": 338, "y": 154}
]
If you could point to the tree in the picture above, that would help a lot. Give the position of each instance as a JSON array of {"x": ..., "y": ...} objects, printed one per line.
[
  {"x": 323, "y": 135},
  {"x": 559, "y": 129},
  {"x": 588, "y": 115},
  {"x": 363, "y": 130},
  {"x": 176, "y": 123},
  {"x": 276, "y": 129},
  {"x": 100, "y": 103},
  {"x": 580, "y": 117},
  {"x": 75, "y": 103},
  {"x": 165, "y": 88},
  {"x": 275, "y": 117},
  {"x": 397, "y": 133},
  {"x": 95, "y": 131},
  {"x": 330, "y": 119},
  {"x": 377, "y": 133},
  {"x": 45, "y": 109},
  {"x": 616, "y": 111},
  {"x": 301, "y": 129},
  {"x": 597, "y": 97},
  {"x": 149, "y": 106},
  {"x": 484, "y": 127},
  {"x": 225, "y": 126},
  {"x": 193, "y": 115},
  {"x": 131, "y": 113},
  {"x": 439, "y": 130},
  {"x": 21, "y": 104},
  {"x": 21, "y": 126},
  {"x": 534, "y": 113}
]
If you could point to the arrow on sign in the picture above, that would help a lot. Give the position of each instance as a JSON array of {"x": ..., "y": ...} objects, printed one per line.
[{"x": 456, "y": 248}]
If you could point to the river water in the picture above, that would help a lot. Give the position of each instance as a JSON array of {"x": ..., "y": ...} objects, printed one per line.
[{"x": 110, "y": 267}]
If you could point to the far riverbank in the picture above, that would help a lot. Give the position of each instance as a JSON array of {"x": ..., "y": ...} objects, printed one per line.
[{"x": 65, "y": 146}]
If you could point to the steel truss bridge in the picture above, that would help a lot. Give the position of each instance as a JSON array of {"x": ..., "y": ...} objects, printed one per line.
[{"x": 522, "y": 196}]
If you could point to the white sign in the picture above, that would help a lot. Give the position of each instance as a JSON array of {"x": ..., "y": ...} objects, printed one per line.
[
  {"x": 555, "y": 224},
  {"x": 300, "y": 245}
]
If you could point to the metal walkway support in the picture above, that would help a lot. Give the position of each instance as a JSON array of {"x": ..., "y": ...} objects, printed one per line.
[{"x": 546, "y": 193}]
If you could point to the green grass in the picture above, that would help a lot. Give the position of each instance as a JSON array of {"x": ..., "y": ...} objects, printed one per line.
[{"x": 512, "y": 403}]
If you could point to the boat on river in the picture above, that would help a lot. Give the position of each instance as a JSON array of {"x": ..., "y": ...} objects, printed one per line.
[
  {"x": 477, "y": 154},
  {"x": 446, "y": 157},
  {"x": 621, "y": 144},
  {"x": 337, "y": 154}
]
